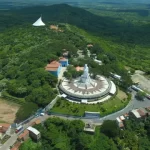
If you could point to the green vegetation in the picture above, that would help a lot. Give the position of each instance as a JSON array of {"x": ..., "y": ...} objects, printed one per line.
[
  {"x": 140, "y": 95},
  {"x": 23, "y": 56},
  {"x": 110, "y": 128},
  {"x": 110, "y": 64},
  {"x": 63, "y": 106},
  {"x": 30, "y": 145},
  {"x": 25, "y": 50},
  {"x": 72, "y": 73},
  {"x": 25, "y": 111},
  {"x": 121, "y": 32},
  {"x": 60, "y": 134}
]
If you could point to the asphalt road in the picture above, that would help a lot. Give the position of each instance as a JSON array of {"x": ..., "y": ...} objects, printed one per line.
[{"x": 133, "y": 104}]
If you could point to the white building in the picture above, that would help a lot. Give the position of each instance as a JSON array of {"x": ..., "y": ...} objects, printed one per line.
[
  {"x": 34, "y": 133},
  {"x": 116, "y": 76},
  {"x": 113, "y": 88},
  {"x": 39, "y": 22},
  {"x": 98, "y": 61}
]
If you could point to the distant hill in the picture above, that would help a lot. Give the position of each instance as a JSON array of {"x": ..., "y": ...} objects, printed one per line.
[
  {"x": 106, "y": 27},
  {"x": 97, "y": 25}
]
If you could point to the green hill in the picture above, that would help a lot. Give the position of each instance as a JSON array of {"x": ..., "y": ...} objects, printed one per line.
[{"x": 106, "y": 27}]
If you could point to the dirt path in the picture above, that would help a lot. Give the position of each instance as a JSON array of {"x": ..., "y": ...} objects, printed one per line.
[
  {"x": 139, "y": 77},
  {"x": 8, "y": 111}
]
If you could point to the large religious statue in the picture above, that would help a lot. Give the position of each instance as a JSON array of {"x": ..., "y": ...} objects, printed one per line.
[{"x": 85, "y": 78}]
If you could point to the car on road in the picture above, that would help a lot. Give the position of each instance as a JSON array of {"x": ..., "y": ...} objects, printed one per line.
[
  {"x": 19, "y": 128},
  {"x": 148, "y": 96},
  {"x": 42, "y": 114}
]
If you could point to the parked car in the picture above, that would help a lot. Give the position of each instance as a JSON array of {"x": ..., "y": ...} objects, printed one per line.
[{"x": 42, "y": 114}]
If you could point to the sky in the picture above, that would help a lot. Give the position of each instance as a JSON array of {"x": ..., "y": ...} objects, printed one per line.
[{"x": 40, "y": 1}]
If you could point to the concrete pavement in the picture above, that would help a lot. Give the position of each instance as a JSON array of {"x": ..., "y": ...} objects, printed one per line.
[{"x": 9, "y": 142}]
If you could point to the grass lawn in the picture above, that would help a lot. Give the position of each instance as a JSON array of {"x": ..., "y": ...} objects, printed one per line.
[{"x": 65, "y": 107}]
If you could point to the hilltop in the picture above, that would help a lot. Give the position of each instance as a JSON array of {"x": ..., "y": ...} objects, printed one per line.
[{"x": 106, "y": 27}]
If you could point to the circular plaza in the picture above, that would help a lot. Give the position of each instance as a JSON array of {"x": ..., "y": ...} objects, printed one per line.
[{"x": 85, "y": 89}]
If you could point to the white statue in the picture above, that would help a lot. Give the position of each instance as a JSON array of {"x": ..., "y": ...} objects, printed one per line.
[{"x": 85, "y": 77}]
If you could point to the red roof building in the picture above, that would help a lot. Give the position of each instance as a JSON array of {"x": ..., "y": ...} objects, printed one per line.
[
  {"x": 4, "y": 127},
  {"x": 24, "y": 136},
  {"x": 54, "y": 67},
  {"x": 16, "y": 146},
  {"x": 78, "y": 68}
]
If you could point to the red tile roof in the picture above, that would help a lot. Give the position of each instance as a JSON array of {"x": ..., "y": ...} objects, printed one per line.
[
  {"x": 22, "y": 135},
  {"x": 53, "y": 66},
  {"x": 78, "y": 68},
  {"x": 53, "y": 27},
  {"x": 141, "y": 112},
  {"x": 16, "y": 146},
  {"x": 6, "y": 125},
  {"x": 38, "y": 121}
]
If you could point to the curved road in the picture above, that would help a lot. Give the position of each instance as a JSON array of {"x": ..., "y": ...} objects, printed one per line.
[{"x": 133, "y": 104}]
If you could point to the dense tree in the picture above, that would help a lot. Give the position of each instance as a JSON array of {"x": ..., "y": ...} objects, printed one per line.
[
  {"x": 140, "y": 95},
  {"x": 29, "y": 145},
  {"x": 25, "y": 111},
  {"x": 110, "y": 128}
]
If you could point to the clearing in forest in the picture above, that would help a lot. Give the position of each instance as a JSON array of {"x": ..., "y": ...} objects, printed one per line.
[{"x": 8, "y": 111}]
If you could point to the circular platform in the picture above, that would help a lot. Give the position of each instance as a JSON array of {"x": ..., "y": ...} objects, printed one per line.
[{"x": 85, "y": 89}]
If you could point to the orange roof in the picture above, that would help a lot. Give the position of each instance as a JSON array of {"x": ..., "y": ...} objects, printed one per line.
[
  {"x": 22, "y": 135},
  {"x": 38, "y": 121},
  {"x": 89, "y": 45},
  {"x": 54, "y": 27},
  {"x": 5, "y": 125},
  {"x": 63, "y": 59},
  {"x": 78, "y": 68},
  {"x": 51, "y": 69},
  {"x": 53, "y": 66},
  {"x": 16, "y": 146},
  {"x": 141, "y": 112}
]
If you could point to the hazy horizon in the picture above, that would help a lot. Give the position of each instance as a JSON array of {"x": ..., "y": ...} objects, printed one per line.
[{"x": 79, "y": 1}]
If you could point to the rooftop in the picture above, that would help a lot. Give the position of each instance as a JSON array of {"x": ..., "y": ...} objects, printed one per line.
[
  {"x": 89, "y": 127},
  {"x": 78, "y": 68},
  {"x": 38, "y": 121},
  {"x": 22, "y": 135},
  {"x": 39, "y": 22},
  {"x": 16, "y": 146},
  {"x": 136, "y": 113},
  {"x": 121, "y": 125},
  {"x": 113, "y": 88},
  {"x": 118, "y": 120},
  {"x": 33, "y": 130},
  {"x": 142, "y": 112},
  {"x": 63, "y": 59},
  {"x": 53, "y": 66},
  {"x": 5, "y": 125},
  {"x": 54, "y": 27},
  {"x": 122, "y": 117}
]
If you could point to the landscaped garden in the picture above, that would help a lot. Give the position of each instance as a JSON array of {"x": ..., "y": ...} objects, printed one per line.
[{"x": 114, "y": 104}]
